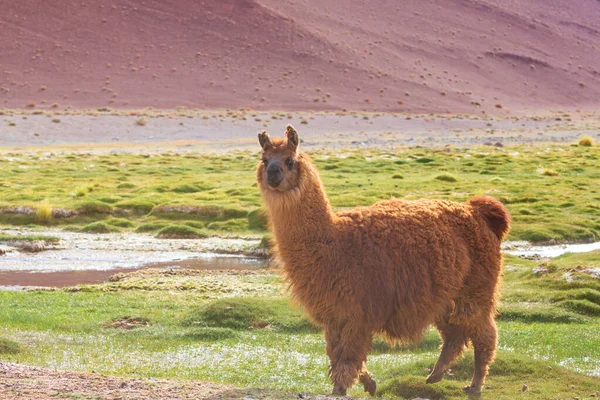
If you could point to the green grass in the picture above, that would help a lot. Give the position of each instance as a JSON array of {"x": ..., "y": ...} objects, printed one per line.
[
  {"x": 151, "y": 189},
  {"x": 29, "y": 238},
  {"x": 240, "y": 328}
]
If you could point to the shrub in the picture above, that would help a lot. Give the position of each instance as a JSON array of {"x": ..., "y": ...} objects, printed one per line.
[
  {"x": 151, "y": 227},
  {"x": 586, "y": 141}
]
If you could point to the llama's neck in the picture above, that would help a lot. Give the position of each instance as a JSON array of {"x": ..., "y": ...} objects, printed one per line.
[{"x": 301, "y": 215}]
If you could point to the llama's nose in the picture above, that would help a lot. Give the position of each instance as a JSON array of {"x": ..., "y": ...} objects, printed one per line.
[{"x": 274, "y": 174}]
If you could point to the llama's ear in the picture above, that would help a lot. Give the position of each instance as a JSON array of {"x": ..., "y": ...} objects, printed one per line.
[
  {"x": 264, "y": 140},
  {"x": 292, "y": 138}
]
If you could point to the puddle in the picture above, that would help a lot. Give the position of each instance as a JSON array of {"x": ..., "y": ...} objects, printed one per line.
[
  {"x": 88, "y": 258},
  {"x": 527, "y": 250},
  {"x": 21, "y": 280}
]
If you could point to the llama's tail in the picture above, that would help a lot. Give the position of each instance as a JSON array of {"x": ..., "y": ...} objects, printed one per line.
[{"x": 494, "y": 213}]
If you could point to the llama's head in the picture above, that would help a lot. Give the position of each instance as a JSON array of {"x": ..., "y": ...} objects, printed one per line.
[{"x": 278, "y": 170}]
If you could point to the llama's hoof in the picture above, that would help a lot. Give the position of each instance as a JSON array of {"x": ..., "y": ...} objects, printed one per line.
[
  {"x": 472, "y": 390},
  {"x": 370, "y": 386},
  {"x": 338, "y": 391},
  {"x": 435, "y": 377}
]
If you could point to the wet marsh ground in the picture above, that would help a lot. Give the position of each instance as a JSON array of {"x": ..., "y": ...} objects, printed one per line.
[
  {"x": 238, "y": 327},
  {"x": 552, "y": 191}
]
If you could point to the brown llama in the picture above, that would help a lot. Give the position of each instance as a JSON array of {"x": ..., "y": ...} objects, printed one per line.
[{"x": 393, "y": 268}]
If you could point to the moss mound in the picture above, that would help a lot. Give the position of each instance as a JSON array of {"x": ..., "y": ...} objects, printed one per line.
[
  {"x": 250, "y": 313},
  {"x": 181, "y": 232},
  {"x": 99, "y": 227}
]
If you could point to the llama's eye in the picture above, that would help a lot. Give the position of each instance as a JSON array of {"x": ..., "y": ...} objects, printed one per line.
[
  {"x": 290, "y": 163},
  {"x": 265, "y": 161}
]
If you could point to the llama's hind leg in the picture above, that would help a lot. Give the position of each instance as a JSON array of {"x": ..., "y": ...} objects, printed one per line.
[
  {"x": 347, "y": 348},
  {"x": 484, "y": 336},
  {"x": 367, "y": 380},
  {"x": 455, "y": 339}
]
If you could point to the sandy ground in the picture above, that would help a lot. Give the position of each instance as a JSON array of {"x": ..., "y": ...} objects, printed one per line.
[
  {"x": 218, "y": 132},
  {"x": 419, "y": 56},
  {"x": 24, "y": 382}
]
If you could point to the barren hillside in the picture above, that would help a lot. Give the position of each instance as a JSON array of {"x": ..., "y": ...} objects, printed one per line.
[{"x": 512, "y": 56}]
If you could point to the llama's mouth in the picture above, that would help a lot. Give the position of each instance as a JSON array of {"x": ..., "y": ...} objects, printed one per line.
[{"x": 274, "y": 184}]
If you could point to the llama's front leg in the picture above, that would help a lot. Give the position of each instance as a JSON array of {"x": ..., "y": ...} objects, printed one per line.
[{"x": 347, "y": 348}]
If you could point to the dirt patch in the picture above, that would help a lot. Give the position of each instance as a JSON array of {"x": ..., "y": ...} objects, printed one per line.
[
  {"x": 24, "y": 382},
  {"x": 217, "y": 132},
  {"x": 127, "y": 323}
]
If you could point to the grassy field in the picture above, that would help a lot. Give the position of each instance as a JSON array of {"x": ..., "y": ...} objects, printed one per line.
[
  {"x": 238, "y": 327},
  {"x": 552, "y": 191}
]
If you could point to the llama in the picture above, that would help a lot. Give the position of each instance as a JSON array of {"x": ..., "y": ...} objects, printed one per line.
[{"x": 391, "y": 269}]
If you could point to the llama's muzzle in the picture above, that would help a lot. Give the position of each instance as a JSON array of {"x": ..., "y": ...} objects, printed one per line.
[{"x": 274, "y": 174}]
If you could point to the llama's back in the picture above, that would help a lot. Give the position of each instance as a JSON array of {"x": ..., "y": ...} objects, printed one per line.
[{"x": 423, "y": 258}]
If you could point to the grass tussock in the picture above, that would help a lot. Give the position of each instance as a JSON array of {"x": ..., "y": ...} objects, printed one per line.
[
  {"x": 99, "y": 227},
  {"x": 549, "y": 172},
  {"x": 43, "y": 212},
  {"x": 445, "y": 177}
]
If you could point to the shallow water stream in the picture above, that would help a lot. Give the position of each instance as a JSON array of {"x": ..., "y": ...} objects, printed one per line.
[{"x": 91, "y": 258}]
